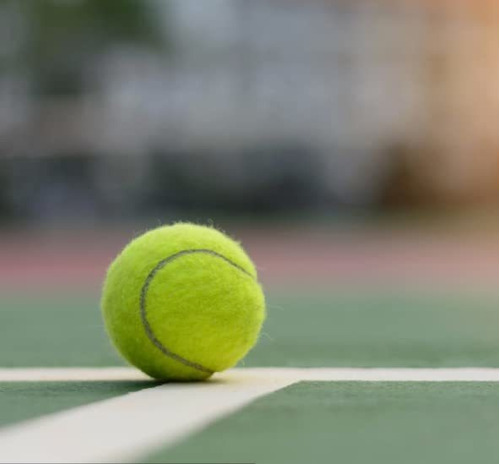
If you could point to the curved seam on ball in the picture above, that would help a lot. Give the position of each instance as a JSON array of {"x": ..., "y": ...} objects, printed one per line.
[{"x": 147, "y": 327}]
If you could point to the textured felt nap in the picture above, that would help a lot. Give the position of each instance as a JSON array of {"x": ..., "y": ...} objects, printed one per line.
[{"x": 181, "y": 302}]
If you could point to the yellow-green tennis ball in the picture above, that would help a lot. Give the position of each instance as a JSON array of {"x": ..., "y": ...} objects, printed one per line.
[{"x": 182, "y": 302}]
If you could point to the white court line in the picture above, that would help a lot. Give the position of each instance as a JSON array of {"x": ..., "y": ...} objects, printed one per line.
[
  {"x": 127, "y": 427},
  {"x": 62, "y": 374},
  {"x": 93, "y": 374}
]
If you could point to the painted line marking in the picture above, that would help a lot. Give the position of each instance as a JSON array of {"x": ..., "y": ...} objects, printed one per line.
[
  {"x": 93, "y": 374},
  {"x": 127, "y": 427}
]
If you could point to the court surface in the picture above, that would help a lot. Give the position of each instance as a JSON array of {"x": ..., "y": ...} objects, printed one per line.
[{"x": 376, "y": 349}]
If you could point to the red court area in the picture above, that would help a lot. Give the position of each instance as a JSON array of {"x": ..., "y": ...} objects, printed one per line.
[{"x": 321, "y": 256}]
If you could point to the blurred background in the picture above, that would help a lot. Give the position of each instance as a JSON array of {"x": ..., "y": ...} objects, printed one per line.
[
  {"x": 146, "y": 109},
  {"x": 348, "y": 144}
]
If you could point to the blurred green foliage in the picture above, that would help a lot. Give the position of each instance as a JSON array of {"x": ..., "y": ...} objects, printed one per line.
[{"x": 62, "y": 38}]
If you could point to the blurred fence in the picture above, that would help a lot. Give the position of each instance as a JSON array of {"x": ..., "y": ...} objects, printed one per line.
[{"x": 125, "y": 108}]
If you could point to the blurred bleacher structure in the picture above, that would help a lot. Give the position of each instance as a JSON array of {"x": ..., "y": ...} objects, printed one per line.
[{"x": 245, "y": 106}]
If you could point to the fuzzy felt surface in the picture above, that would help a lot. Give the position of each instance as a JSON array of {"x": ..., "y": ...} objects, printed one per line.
[{"x": 204, "y": 307}]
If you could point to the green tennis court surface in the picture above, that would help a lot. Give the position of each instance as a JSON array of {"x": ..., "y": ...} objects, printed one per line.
[
  {"x": 355, "y": 422},
  {"x": 411, "y": 422},
  {"x": 304, "y": 329}
]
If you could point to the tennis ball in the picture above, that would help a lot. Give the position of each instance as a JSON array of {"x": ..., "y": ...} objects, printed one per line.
[{"x": 182, "y": 302}]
